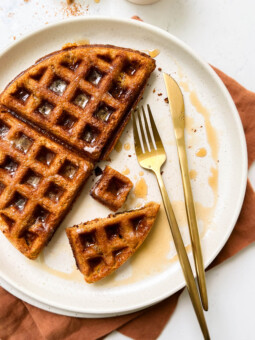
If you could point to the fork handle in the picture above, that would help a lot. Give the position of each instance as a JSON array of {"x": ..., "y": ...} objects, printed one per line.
[{"x": 183, "y": 257}]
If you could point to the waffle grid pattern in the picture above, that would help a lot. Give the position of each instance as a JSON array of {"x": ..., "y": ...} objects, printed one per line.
[
  {"x": 103, "y": 245},
  {"x": 112, "y": 189},
  {"x": 82, "y": 96},
  {"x": 38, "y": 181}
]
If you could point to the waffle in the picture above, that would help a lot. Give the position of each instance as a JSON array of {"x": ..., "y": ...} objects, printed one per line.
[
  {"x": 39, "y": 180},
  {"x": 83, "y": 95},
  {"x": 112, "y": 189},
  {"x": 103, "y": 245}
]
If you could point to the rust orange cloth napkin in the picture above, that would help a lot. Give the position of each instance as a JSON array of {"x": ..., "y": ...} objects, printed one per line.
[{"x": 19, "y": 320}]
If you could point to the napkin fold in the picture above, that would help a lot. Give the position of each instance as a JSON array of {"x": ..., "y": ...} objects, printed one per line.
[{"x": 19, "y": 320}]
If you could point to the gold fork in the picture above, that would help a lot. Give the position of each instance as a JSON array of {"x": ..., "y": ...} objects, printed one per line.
[{"x": 152, "y": 157}]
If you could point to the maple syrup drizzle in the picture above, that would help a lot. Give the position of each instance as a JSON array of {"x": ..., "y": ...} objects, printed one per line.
[
  {"x": 213, "y": 181},
  {"x": 201, "y": 153},
  {"x": 126, "y": 171},
  {"x": 76, "y": 43},
  {"x": 152, "y": 53},
  {"x": 150, "y": 258},
  {"x": 193, "y": 174},
  {"x": 74, "y": 275},
  {"x": 127, "y": 146},
  {"x": 211, "y": 133},
  {"x": 141, "y": 189}
]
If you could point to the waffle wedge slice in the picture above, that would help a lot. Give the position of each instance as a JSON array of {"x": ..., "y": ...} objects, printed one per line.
[
  {"x": 103, "y": 245},
  {"x": 39, "y": 180},
  {"x": 82, "y": 95}
]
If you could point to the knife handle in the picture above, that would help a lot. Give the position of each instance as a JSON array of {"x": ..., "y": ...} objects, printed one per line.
[{"x": 192, "y": 222}]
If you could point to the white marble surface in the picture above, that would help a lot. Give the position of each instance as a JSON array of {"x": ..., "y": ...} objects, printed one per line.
[{"x": 222, "y": 32}]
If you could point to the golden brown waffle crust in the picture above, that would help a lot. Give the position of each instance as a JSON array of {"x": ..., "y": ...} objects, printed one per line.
[
  {"x": 105, "y": 247},
  {"x": 111, "y": 189},
  {"x": 95, "y": 45},
  {"x": 104, "y": 153},
  {"x": 52, "y": 179},
  {"x": 109, "y": 81},
  {"x": 75, "y": 47}
]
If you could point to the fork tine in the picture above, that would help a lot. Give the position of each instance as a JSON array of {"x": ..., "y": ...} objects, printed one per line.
[
  {"x": 145, "y": 147},
  {"x": 148, "y": 130},
  {"x": 154, "y": 129}
]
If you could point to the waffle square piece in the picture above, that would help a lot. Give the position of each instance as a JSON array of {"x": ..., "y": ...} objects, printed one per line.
[
  {"x": 103, "y": 245},
  {"x": 112, "y": 189},
  {"x": 39, "y": 180},
  {"x": 83, "y": 95}
]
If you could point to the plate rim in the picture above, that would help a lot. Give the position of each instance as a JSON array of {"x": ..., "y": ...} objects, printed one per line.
[{"x": 244, "y": 168}]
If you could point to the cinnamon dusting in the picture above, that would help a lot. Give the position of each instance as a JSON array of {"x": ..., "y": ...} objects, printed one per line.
[{"x": 70, "y": 8}]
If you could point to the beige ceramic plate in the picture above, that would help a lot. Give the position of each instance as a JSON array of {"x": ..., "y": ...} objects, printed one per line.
[{"x": 217, "y": 159}]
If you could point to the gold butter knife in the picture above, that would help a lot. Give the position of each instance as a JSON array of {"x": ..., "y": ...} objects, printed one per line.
[{"x": 176, "y": 104}]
